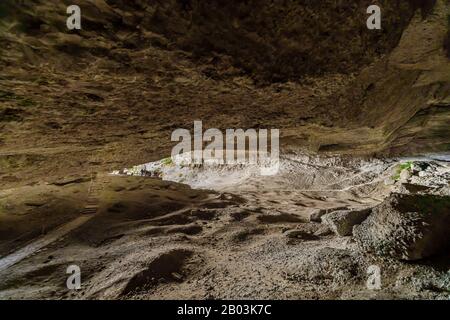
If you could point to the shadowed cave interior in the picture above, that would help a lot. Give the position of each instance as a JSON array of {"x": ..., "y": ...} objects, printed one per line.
[{"x": 87, "y": 178}]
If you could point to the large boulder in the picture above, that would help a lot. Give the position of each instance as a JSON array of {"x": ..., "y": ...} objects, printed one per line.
[
  {"x": 342, "y": 222},
  {"x": 406, "y": 227}
]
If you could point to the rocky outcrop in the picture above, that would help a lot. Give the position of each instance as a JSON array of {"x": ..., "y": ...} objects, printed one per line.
[
  {"x": 342, "y": 222},
  {"x": 316, "y": 214},
  {"x": 424, "y": 177},
  {"x": 407, "y": 227}
]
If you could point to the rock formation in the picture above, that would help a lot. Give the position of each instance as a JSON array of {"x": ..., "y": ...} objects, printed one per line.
[
  {"x": 407, "y": 227},
  {"x": 137, "y": 70},
  {"x": 364, "y": 122}
]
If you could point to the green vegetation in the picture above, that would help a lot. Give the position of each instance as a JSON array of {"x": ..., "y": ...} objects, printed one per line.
[
  {"x": 167, "y": 161},
  {"x": 400, "y": 168},
  {"x": 407, "y": 165}
]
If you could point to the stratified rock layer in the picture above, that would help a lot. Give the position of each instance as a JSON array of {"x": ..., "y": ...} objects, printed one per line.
[{"x": 110, "y": 95}]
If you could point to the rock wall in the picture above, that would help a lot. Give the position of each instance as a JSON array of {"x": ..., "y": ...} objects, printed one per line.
[{"x": 110, "y": 94}]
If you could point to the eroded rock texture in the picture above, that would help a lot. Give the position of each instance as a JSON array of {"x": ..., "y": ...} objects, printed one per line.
[
  {"x": 342, "y": 222},
  {"x": 75, "y": 105},
  {"x": 407, "y": 227},
  {"x": 110, "y": 95}
]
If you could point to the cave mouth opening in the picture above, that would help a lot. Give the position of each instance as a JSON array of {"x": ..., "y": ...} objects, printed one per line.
[
  {"x": 209, "y": 173},
  {"x": 351, "y": 176}
]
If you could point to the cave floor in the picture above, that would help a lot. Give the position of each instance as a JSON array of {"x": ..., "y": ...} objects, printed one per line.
[{"x": 250, "y": 238}]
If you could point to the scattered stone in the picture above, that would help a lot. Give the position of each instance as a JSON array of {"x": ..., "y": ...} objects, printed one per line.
[
  {"x": 316, "y": 214},
  {"x": 299, "y": 234},
  {"x": 407, "y": 227},
  {"x": 280, "y": 218},
  {"x": 239, "y": 214},
  {"x": 419, "y": 166},
  {"x": 414, "y": 188},
  {"x": 342, "y": 222},
  {"x": 323, "y": 231},
  {"x": 325, "y": 266},
  {"x": 177, "y": 276},
  {"x": 405, "y": 175},
  {"x": 204, "y": 214}
]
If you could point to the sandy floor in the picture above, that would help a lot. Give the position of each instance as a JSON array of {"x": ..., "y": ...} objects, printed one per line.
[{"x": 252, "y": 238}]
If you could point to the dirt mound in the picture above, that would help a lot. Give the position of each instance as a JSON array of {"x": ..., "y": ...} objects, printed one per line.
[{"x": 164, "y": 267}]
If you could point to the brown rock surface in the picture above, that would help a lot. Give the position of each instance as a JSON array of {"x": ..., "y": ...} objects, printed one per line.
[
  {"x": 108, "y": 96},
  {"x": 77, "y": 104},
  {"x": 407, "y": 227}
]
